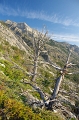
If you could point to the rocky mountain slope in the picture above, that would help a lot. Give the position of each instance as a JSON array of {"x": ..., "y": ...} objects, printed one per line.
[{"x": 16, "y": 59}]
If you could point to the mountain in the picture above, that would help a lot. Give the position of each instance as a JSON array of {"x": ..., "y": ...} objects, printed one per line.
[
  {"x": 20, "y": 28},
  {"x": 16, "y": 66}
]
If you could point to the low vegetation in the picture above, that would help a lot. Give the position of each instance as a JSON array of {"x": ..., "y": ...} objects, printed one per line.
[{"x": 16, "y": 66}]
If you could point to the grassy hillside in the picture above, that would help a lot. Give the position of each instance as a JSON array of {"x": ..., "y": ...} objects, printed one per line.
[
  {"x": 15, "y": 66},
  {"x": 13, "y": 104}
]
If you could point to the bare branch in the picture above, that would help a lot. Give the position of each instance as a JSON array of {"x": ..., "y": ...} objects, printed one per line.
[
  {"x": 52, "y": 64},
  {"x": 70, "y": 65},
  {"x": 42, "y": 95},
  {"x": 73, "y": 73},
  {"x": 68, "y": 57}
]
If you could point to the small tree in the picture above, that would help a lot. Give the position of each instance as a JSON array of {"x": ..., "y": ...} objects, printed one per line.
[{"x": 39, "y": 42}]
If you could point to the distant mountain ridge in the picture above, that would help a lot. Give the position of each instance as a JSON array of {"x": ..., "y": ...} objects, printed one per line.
[
  {"x": 25, "y": 29},
  {"x": 20, "y": 35},
  {"x": 22, "y": 26}
]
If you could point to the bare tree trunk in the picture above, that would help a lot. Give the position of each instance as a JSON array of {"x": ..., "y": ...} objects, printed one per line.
[
  {"x": 56, "y": 88},
  {"x": 38, "y": 44},
  {"x": 35, "y": 67},
  {"x": 55, "y": 92}
]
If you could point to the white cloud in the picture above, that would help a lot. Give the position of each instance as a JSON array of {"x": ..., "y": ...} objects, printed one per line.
[
  {"x": 69, "y": 38},
  {"x": 65, "y": 37},
  {"x": 8, "y": 11},
  {"x": 38, "y": 15}
]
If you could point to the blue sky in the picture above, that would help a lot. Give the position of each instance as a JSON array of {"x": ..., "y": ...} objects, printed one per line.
[{"x": 61, "y": 17}]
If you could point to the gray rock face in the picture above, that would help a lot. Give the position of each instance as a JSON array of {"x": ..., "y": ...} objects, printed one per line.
[
  {"x": 9, "y": 36},
  {"x": 23, "y": 27}
]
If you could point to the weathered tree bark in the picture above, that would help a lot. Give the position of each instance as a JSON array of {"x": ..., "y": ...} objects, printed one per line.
[
  {"x": 56, "y": 88},
  {"x": 35, "y": 67},
  {"x": 55, "y": 92},
  {"x": 58, "y": 82},
  {"x": 59, "y": 79},
  {"x": 38, "y": 44},
  {"x": 42, "y": 95}
]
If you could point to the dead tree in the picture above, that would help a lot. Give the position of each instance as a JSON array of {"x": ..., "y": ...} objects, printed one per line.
[
  {"x": 38, "y": 44},
  {"x": 63, "y": 71},
  {"x": 59, "y": 80},
  {"x": 39, "y": 41}
]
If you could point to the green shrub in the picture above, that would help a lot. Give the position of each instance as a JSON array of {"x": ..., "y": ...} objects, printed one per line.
[{"x": 45, "y": 83}]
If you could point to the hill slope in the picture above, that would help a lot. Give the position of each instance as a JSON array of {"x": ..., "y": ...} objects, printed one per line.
[{"x": 16, "y": 61}]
